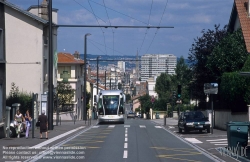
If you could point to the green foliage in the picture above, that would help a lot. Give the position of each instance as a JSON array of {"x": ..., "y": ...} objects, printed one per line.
[
  {"x": 199, "y": 52},
  {"x": 232, "y": 86},
  {"x": 145, "y": 102},
  {"x": 233, "y": 91},
  {"x": 229, "y": 55},
  {"x": 160, "y": 104},
  {"x": 65, "y": 93},
  {"x": 23, "y": 98},
  {"x": 163, "y": 86},
  {"x": 246, "y": 68}
]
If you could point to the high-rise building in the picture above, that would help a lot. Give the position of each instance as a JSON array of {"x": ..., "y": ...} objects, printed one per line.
[
  {"x": 121, "y": 65},
  {"x": 153, "y": 64}
]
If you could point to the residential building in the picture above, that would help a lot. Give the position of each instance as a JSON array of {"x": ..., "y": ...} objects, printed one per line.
[
  {"x": 23, "y": 51},
  {"x": 151, "y": 86},
  {"x": 153, "y": 64},
  {"x": 71, "y": 70}
]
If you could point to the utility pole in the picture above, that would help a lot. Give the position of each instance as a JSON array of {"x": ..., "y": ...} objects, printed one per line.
[{"x": 50, "y": 70}]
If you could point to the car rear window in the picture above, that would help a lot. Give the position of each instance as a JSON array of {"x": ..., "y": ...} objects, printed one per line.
[{"x": 194, "y": 115}]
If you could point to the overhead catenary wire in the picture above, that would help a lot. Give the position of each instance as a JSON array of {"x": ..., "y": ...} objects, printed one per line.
[
  {"x": 147, "y": 28},
  {"x": 109, "y": 24},
  {"x": 100, "y": 27},
  {"x": 119, "y": 12},
  {"x": 107, "y": 47},
  {"x": 158, "y": 25},
  {"x": 89, "y": 11}
]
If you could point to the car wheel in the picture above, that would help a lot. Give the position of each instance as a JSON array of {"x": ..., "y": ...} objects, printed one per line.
[
  {"x": 208, "y": 130},
  {"x": 180, "y": 131}
]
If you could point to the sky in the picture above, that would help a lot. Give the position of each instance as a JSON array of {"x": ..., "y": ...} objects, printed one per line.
[{"x": 187, "y": 17}]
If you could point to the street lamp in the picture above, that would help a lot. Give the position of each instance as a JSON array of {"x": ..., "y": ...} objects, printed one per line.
[{"x": 85, "y": 77}]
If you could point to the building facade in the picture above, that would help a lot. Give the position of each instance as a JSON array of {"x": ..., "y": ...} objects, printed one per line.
[{"x": 153, "y": 64}]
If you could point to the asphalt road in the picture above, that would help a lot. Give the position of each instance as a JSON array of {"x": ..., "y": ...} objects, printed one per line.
[{"x": 137, "y": 140}]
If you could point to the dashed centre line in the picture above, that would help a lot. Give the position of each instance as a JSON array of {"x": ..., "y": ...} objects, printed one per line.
[{"x": 125, "y": 154}]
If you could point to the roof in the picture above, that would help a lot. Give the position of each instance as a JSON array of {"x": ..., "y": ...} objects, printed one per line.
[
  {"x": 39, "y": 6},
  {"x": 11, "y": 5},
  {"x": 67, "y": 58},
  {"x": 240, "y": 9}
]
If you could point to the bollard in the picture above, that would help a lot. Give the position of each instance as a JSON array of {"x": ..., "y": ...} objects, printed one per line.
[
  {"x": 8, "y": 121},
  {"x": 165, "y": 118}
]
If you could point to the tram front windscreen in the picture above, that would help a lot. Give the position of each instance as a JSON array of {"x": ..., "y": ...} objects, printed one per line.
[{"x": 111, "y": 104}]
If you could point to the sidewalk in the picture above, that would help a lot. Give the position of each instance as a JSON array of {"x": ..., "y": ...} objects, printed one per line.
[{"x": 66, "y": 126}]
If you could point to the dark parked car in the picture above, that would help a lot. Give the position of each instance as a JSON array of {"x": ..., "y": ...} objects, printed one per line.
[
  {"x": 193, "y": 120},
  {"x": 131, "y": 115}
]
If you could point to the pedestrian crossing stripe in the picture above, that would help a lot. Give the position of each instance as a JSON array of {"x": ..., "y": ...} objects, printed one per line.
[
  {"x": 95, "y": 126},
  {"x": 111, "y": 126},
  {"x": 193, "y": 140},
  {"x": 216, "y": 140},
  {"x": 158, "y": 127},
  {"x": 142, "y": 126}
]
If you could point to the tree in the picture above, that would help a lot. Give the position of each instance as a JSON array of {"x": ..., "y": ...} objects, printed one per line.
[
  {"x": 163, "y": 86},
  {"x": 198, "y": 57},
  {"x": 182, "y": 77},
  {"x": 229, "y": 55},
  {"x": 65, "y": 93},
  {"x": 145, "y": 102},
  {"x": 24, "y": 98}
]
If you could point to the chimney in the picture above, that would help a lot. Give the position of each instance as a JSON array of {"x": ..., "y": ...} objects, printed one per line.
[
  {"x": 45, "y": 12},
  {"x": 76, "y": 55}
]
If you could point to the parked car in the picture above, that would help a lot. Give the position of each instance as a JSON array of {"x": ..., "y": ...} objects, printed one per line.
[
  {"x": 193, "y": 120},
  {"x": 131, "y": 115}
]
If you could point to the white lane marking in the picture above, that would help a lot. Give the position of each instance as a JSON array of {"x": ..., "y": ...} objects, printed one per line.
[
  {"x": 193, "y": 140},
  {"x": 126, "y": 125},
  {"x": 125, "y": 145},
  {"x": 219, "y": 142},
  {"x": 40, "y": 155},
  {"x": 125, "y": 154},
  {"x": 111, "y": 126},
  {"x": 158, "y": 127},
  {"x": 126, "y": 131},
  {"x": 126, "y": 135},
  {"x": 96, "y": 126},
  {"x": 142, "y": 126},
  {"x": 56, "y": 138},
  {"x": 217, "y": 139},
  {"x": 126, "y": 139},
  {"x": 170, "y": 127}
]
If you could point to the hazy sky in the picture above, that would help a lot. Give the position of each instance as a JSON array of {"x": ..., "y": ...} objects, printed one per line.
[{"x": 188, "y": 17}]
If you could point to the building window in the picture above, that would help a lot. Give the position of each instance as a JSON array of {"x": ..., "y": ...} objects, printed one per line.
[{"x": 65, "y": 72}]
